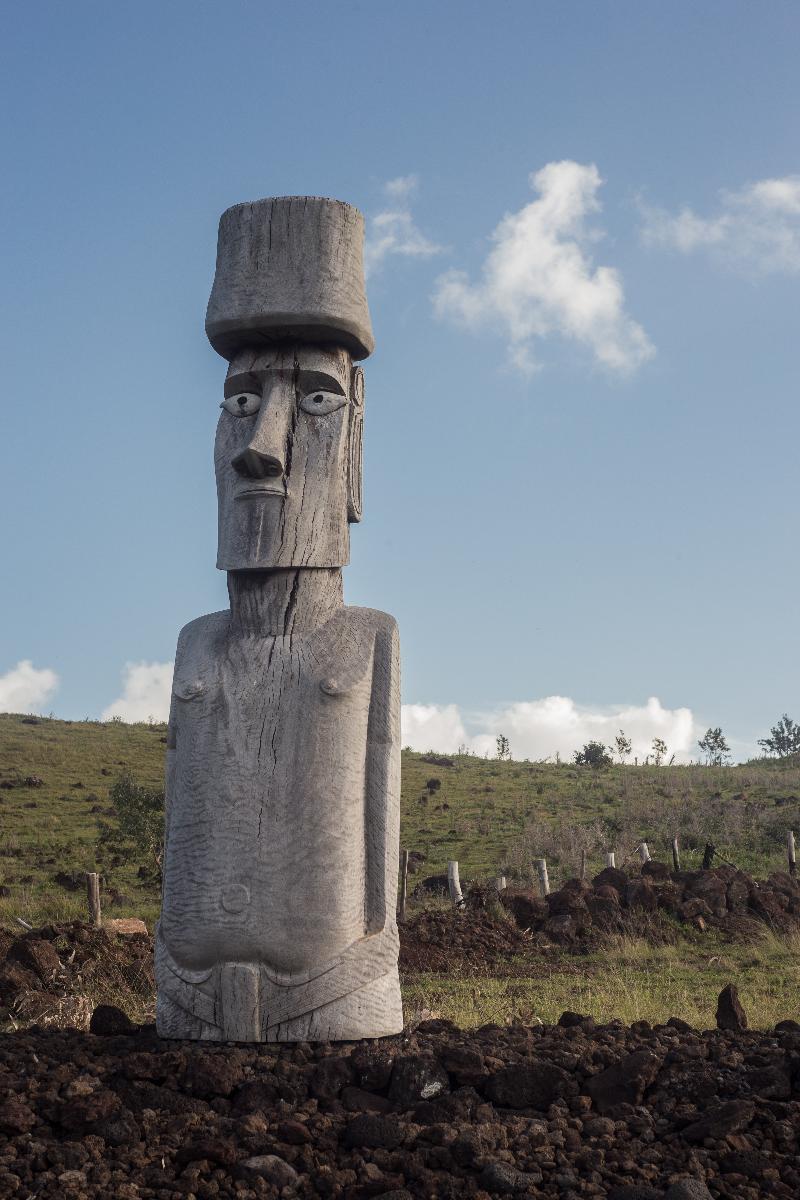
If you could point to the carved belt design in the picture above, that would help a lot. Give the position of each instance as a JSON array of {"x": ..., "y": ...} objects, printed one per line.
[{"x": 245, "y": 1001}]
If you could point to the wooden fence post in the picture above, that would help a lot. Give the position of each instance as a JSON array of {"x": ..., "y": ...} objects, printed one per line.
[
  {"x": 544, "y": 882},
  {"x": 93, "y": 896},
  {"x": 403, "y": 884},
  {"x": 454, "y": 884},
  {"x": 790, "y": 852},
  {"x": 676, "y": 855},
  {"x": 644, "y": 853},
  {"x": 708, "y": 856},
  {"x": 583, "y": 864},
  {"x": 611, "y": 858},
  {"x": 500, "y": 883}
]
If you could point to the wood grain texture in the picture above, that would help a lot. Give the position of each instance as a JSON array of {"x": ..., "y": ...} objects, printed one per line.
[
  {"x": 282, "y": 824},
  {"x": 290, "y": 266}
]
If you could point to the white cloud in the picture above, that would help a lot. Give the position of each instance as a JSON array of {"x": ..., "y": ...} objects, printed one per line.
[
  {"x": 25, "y": 688},
  {"x": 538, "y": 279},
  {"x": 145, "y": 695},
  {"x": 756, "y": 229},
  {"x": 393, "y": 230},
  {"x": 432, "y": 727},
  {"x": 540, "y": 729}
]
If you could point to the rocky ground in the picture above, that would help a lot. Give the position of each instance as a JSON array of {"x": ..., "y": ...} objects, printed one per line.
[
  {"x": 723, "y": 897},
  {"x": 574, "y": 1110}
]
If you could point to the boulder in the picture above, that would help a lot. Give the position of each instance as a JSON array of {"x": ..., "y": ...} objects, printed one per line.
[
  {"x": 416, "y": 1077},
  {"x": 723, "y": 1119},
  {"x": 730, "y": 1014},
  {"x": 625, "y": 1082},
  {"x": 107, "y": 1020}
]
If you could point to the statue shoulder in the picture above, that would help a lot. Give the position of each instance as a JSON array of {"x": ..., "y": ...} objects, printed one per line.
[
  {"x": 379, "y": 623},
  {"x": 203, "y": 631}
]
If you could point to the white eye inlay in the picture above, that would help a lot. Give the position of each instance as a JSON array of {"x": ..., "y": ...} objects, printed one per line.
[
  {"x": 242, "y": 404},
  {"x": 320, "y": 403}
]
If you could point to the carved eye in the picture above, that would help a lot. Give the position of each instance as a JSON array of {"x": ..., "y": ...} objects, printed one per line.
[
  {"x": 319, "y": 404},
  {"x": 242, "y": 404}
]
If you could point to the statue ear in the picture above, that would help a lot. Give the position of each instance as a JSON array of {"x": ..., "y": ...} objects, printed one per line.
[{"x": 355, "y": 472}]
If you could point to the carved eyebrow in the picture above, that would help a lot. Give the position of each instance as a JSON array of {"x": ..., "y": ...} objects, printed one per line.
[{"x": 320, "y": 380}]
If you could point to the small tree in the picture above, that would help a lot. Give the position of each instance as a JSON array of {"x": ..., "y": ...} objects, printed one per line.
[
  {"x": 623, "y": 745},
  {"x": 140, "y": 824},
  {"x": 659, "y": 751},
  {"x": 593, "y": 754},
  {"x": 503, "y": 748},
  {"x": 784, "y": 740},
  {"x": 714, "y": 747}
]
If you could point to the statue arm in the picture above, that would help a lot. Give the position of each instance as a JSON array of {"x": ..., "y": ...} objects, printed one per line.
[{"x": 383, "y": 781}]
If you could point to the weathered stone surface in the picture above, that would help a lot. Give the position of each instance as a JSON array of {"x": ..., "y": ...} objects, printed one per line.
[
  {"x": 107, "y": 1020},
  {"x": 15, "y": 1116},
  {"x": 416, "y": 1077},
  {"x": 373, "y": 1131},
  {"x": 625, "y": 1082},
  {"x": 529, "y": 1085},
  {"x": 688, "y": 1189},
  {"x": 280, "y": 866},
  {"x": 730, "y": 1014},
  {"x": 269, "y": 1167},
  {"x": 718, "y": 1122}
]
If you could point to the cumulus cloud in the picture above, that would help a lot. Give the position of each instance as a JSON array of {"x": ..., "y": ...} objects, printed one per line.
[
  {"x": 146, "y": 689},
  {"x": 25, "y": 688},
  {"x": 538, "y": 279},
  {"x": 756, "y": 229},
  {"x": 393, "y": 229},
  {"x": 432, "y": 727},
  {"x": 539, "y": 729}
]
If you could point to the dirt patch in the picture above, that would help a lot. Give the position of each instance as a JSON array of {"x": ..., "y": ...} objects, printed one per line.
[
  {"x": 53, "y": 975},
  {"x": 442, "y": 940}
]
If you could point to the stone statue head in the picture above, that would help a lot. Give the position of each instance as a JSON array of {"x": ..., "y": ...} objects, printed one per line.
[{"x": 288, "y": 310}]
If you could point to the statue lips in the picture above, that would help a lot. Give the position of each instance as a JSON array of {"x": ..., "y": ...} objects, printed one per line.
[{"x": 246, "y": 493}]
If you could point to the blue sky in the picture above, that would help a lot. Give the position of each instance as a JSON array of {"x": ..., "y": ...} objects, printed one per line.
[{"x": 582, "y": 424}]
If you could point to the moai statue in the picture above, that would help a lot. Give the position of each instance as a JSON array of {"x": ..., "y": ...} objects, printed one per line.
[{"x": 283, "y": 761}]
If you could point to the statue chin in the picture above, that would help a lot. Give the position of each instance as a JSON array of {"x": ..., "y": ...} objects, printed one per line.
[{"x": 257, "y": 534}]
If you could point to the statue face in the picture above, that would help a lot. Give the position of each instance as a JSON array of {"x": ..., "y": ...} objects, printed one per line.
[{"x": 287, "y": 458}]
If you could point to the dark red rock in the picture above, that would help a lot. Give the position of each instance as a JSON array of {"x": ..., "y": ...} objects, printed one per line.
[
  {"x": 374, "y": 1132},
  {"x": 215, "y": 1150},
  {"x": 625, "y": 1082},
  {"x": 357, "y": 1100},
  {"x": 329, "y": 1076},
  {"x": 416, "y": 1077},
  {"x": 16, "y": 1116},
  {"x": 529, "y": 1084},
  {"x": 730, "y": 1014},
  {"x": 718, "y": 1122},
  {"x": 294, "y": 1133},
  {"x": 107, "y": 1020},
  {"x": 211, "y": 1075}
]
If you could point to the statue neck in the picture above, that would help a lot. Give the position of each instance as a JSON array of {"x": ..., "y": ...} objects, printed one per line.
[{"x": 281, "y": 602}]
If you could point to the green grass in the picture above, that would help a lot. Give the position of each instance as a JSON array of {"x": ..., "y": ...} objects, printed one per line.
[
  {"x": 630, "y": 980},
  {"x": 494, "y": 817}
]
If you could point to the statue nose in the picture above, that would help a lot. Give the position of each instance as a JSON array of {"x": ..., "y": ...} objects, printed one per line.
[{"x": 255, "y": 464}]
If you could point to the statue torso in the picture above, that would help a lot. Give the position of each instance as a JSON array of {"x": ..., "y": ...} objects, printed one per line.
[{"x": 266, "y": 856}]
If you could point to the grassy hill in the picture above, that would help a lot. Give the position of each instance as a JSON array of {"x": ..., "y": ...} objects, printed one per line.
[{"x": 494, "y": 817}]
